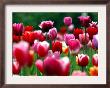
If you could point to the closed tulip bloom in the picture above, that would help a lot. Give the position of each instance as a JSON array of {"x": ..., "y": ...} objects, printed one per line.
[
  {"x": 77, "y": 31},
  {"x": 95, "y": 42},
  {"x": 71, "y": 27},
  {"x": 68, "y": 37},
  {"x": 18, "y": 28},
  {"x": 74, "y": 46},
  {"x": 63, "y": 30},
  {"x": 22, "y": 54},
  {"x": 53, "y": 65},
  {"x": 84, "y": 20},
  {"x": 84, "y": 39},
  {"x": 16, "y": 67},
  {"x": 42, "y": 48},
  {"x": 52, "y": 34},
  {"x": 28, "y": 36},
  {"x": 79, "y": 73},
  {"x": 46, "y": 25},
  {"x": 92, "y": 31},
  {"x": 93, "y": 71},
  {"x": 67, "y": 21},
  {"x": 95, "y": 59},
  {"x": 57, "y": 46},
  {"x": 28, "y": 28},
  {"x": 83, "y": 60}
]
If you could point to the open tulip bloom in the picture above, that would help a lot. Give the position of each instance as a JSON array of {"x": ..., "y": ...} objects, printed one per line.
[{"x": 50, "y": 51}]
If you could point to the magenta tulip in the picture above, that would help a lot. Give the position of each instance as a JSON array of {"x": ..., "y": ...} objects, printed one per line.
[{"x": 67, "y": 21}]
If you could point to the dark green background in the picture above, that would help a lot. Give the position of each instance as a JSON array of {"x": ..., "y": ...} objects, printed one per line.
[{"x": 35, "y": 18}]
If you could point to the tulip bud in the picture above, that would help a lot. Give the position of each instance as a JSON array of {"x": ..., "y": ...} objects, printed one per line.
[
  {"x": 52, "y": 34},
  {"x": 93, "y": 71},
  {"x": 84, "y": 20},
  {"x": 95, "y": 42},
  {"x": 83, "y": 60},
  {"x": 95, "y": 60},
  {"x": 18, "y": 28},
  {"x": 84, "y": 39},
  {"x": 46, "y": 25},
  {"x": 68, "y": 37},
  {"x": 74, "y": 46},
  {"x": 16, "y": 67},
  {"x": 67, "y": 21},
  {"x": 42, "y": 48},
  {"x": 28, "y": 28}
]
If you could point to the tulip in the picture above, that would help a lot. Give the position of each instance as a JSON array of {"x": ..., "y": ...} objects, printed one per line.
[
  {"x": 65, "y": 48},
  {"x": 59, "y": 37},
  {"x": 16, "y": 38},
  {"x": 16, "y": 67},
  {"x": 18, "y": 28},
  {"x": 63, "y": 30},
  {"x": 68, "y": 37},
  {"x": 93, "y": 71},
  {"x": 22, "y": 54},
  {"x": 46, "y": 25},
  {"x": 95, "y": 42},
  {"x": 84, "y": 39},
  {"x": 93, "y": 24},
  {"x": 77, "y": 31},
  {"x": 92, "y": 31},
  {"x": 71, "y": 27},
  {"x": 52, "y": 34},
  {"x": 79, "y": 73},
  {"x": 28, "y": 28},
  {"x": 28, "y": 36},
  {"x": 74, "y": 46},
  {"x": 42, "y": 48},
  {"x": 95, "y": 59},
  {"x": 39, "y": 65},
  {"x": 84, "y": 20},
  {"x": 67, "y": 21},
  {"x": 57, "y": 46},
  {"x": 83, "y": 60},
  {"x": 53, "y": 65}
]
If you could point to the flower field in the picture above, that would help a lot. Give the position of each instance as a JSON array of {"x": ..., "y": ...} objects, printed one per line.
[{"x": 55, "y": 44}]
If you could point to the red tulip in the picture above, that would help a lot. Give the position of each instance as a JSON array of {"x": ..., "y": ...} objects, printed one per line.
[
  {"x": 74, "y": 46},
  {"x": 28, "y": 28},
  {"x": 29, "y": 37},
  {"x": 57, "y": 46},
  {"x": 95, "y": 60},
  {"x": 22, "y": 54},
  {"x": 16, "y": 67},
  {"x": 84, "y": 20},
  {"x": 77, "y": 31},
  {"x": 16, "y": 38},
  {"x": 63, "y": 30},
  {"x": 92, "y": 31},
  {"x": 83, "y": 60},
  {"x": 42, "y": 48},
  {"x": 84, "y": 39}
]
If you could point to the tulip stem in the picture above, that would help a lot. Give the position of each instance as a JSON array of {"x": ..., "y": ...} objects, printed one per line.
[
  {"x": 82, "y": 69},
  {"x": 85, "y": 40}
]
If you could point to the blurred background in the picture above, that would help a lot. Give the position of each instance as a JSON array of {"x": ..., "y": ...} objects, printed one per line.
[{"x": 35, "y": 18}]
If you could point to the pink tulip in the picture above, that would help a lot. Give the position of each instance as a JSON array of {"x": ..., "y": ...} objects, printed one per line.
[
  {"x": 39, "y": 65},
  {"x": 79, "y": 73},
  {"x": 53, "y": 65},
  {"x": 83, "y": 60},
  {"x": 52, "y": 34},
  {"x": 18, "y": 28},
  {"x": 74, "y": 46},
  {"x": 46, "y": 25},
  {"x": 95, "y": 59},
  {"x": 71, "y": 27},
  {"x": 22, "y": 54},
  {"x": 68, "y": 37},
  {"x": 42, "y": 48},
  {"x": 84, "y": 39},
  {"x": 67, "y": 21}
]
